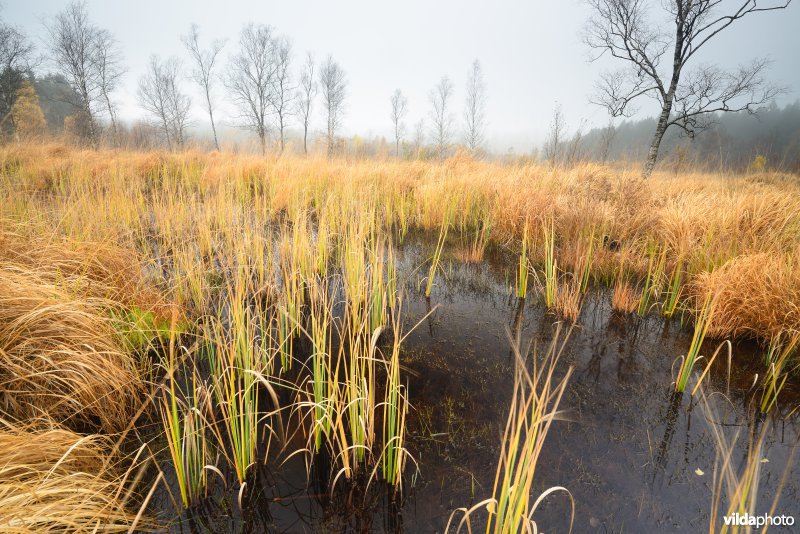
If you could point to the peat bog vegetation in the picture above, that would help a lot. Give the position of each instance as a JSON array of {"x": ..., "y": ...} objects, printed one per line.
[{"x": 218, "y": 342}]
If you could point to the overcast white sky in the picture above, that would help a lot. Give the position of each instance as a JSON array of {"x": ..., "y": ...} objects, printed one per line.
[{"x": 531, "y": 52}]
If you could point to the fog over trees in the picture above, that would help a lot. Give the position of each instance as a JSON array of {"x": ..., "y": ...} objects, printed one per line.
[{"x": 286, "y": 100}]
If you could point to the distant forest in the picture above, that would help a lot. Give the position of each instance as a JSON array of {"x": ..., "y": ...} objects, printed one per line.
[{"x": 732, "y": 141}]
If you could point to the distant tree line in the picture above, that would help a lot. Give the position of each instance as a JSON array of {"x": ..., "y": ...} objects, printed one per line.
[{"x": 731, "y": 141}]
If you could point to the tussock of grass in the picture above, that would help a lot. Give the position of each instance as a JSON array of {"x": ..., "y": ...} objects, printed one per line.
[
  {"x": 756, "y": 294},
  {"x": 625, "y": 298},
  {"x": 60, "y": 356},
  {"x": 56, "y": 481}
]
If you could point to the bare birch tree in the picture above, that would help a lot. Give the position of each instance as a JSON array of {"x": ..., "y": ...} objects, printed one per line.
[
  {"x": 419, "y": 137},
  {"x": 90, "y": 60},
  {"x": 282, "y": 94},
  {"x": 250, "y": 79},
  {"x": 688, "y": 98},
  {"x": 334, "y": 87},
  {"x": 607, "y": 136},
  {"x": 160, "y": 94},
  {"x": 205, "y": 59},
  {"x": 399, "y": 103},
  {"x": 475, "y": 109},
  {"x": 72, "y": 42},
  {"x": 306, "y": 95},
  {"x": 109, "y": 73},
  {"x": 441, "y": 117},
  {"x": 555, "y": 137}
]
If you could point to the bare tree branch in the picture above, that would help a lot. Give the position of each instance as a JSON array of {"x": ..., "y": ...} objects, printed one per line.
[
  {"x": 282, "y": 94},
  {"x": 159, "y": 93}
]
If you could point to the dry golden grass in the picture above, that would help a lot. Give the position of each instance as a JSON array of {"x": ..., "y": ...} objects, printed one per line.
[
  {"x": 756, "y": 295},
  {"x": 92, "y": 269},
  {"x": 192, "y": 215},
  {"x": 569, "y": 299},
  {"x": 60, "y": 357},
  {"x": 625, "y": 298},
  {"x": 57, "y": 481}
]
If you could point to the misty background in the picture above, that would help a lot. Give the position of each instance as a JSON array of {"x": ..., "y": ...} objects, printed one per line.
[{"x": 532, "y": 56}]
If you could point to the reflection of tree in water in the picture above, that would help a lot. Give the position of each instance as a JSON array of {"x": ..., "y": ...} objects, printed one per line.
[
  {"x": 516, "y": 324},
  {"x": 671, "y": 421}
]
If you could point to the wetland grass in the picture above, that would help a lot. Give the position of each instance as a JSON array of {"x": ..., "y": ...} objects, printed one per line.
[
  {"x": 437, "y": 255},
  {"x": 255, "y": 254}
]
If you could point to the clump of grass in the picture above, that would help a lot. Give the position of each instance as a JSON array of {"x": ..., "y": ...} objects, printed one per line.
[
  {"x": 584, "y": 266},
  {"x": 534, "y": 406},
  {"x": 651, "y": 286},
  {"x": 569, "y": 299},
  {"x": 757, "y": 294},
  {"x": 693, "y": 354},
  {"x": 624, "y": 298},
  {"x": 523, "y": 268},
  {"x": 61, "y": 356},
  {"x": 57, "y": 481},
  {"x": 550, "y": 266},
  {"x": 779, "y": 366},
  {"x": 236, "y": 370},
  {"x": 673, "y": 291},
  {"x": 437, "y": 255},
  {"x": 186, "y": 430},
  {"x": 395, "y": 409}
]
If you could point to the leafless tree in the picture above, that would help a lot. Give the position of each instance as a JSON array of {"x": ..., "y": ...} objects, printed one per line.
[
  {"x": 607, "y": 136},
  {"x": 333, "y": 82},
  {"x": 555, "y": 137},
  {"x": 475, "y": 109},
  {"x": 305, "y": 96},
  {"x": 441, "y": 117},
  {"x": 399, "y": 103},
  {"x": 573, "y": 149},
  {"x": 73, "y": 46},
  {"x": 250, "y": 79},
  {"x": 16, "y": 58},
  {"x": 282, "y": 94},
  {"x": 419, "y": 137},
  {"x": 108, "y": 63},
  {"x": 623, "y": 29},
  {"x": 159, "y": 93},
  {"x": 202, "y": 74}
]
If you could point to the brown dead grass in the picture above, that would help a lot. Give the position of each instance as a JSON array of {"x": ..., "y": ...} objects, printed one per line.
[
  {"x": 756, "y": 295},
  {"x": 56, "y": 481},
  {"x": 60, "y": 356}
]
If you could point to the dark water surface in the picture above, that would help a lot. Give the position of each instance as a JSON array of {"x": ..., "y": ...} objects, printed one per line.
[{"x": 627, "y": 449}]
